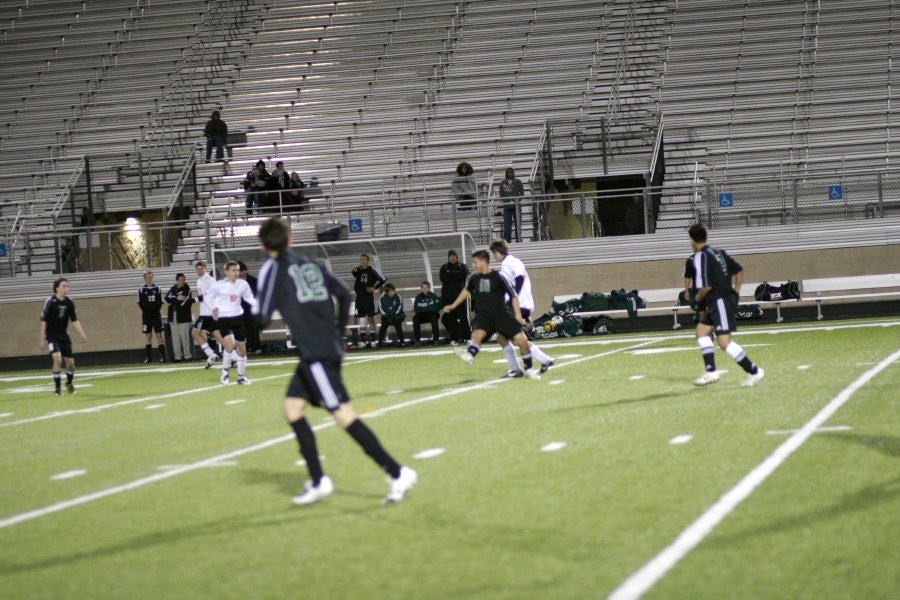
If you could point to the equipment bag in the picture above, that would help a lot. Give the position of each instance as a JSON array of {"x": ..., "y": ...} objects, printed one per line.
[
  {"x": 566, "y": 308},
  {"x": 571, "y": 326},
  {"x": 790, "y": 290},
  {"x": 748, "y": 311},
  {"x": 603, "y": 325},
  {"x": 591, "y": 301}
]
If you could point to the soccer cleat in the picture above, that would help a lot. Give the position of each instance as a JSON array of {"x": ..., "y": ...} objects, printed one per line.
[
  {"x": 707, "y": 378},
  {"x": 532, "y": 374},
  {"x": 210, "y": 362},
  {"x": 752, "y": 380},
  {"x": 243, "y": 380},
  {"x": 463, "y": 354},
  {"x": 57, "y": 393},
  {"x": 313, "y": 494},
  {"x": 162, "y": 359},
  {"x": 401, "y": 485},
  {"x": 513, "y": 374},
  {"x": 70, "y": 388},
  {"x": 224, "y": 378},
  {"x": 546, "y": 366},
  {"x": 147, "y": 361}
]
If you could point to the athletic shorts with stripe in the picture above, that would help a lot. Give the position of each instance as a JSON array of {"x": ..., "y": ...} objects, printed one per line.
[
  {"x": 319, "y": 383},
  {"x": 720, "y": 315},
  {"x": 205, "y": 324},
  {"x": 504, "y": 323},
  {"x": 61, "y": 343}
]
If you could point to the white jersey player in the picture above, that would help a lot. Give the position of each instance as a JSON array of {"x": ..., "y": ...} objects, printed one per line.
[
  {"x": 205, "y": 325},
  {"x": 224, "y": 298},
  {"x": 514, "y": 271}
]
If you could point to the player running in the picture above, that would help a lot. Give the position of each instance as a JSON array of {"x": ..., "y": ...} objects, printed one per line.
[
  {"x": 712, "y": 270},
  {"x": 496, "y": 307},
  {"x": 55, "y": 316},
  {"x": 205, "y": 325},
  {"x": 514, "y": 270},
  {"x": 302, "y": 291},
  {"x": 225, "y": 298}
]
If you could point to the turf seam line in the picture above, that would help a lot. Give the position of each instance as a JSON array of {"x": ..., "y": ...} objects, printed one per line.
[
  {"x": 137, "y": 483},
  {"x": 656, "y": 568}
]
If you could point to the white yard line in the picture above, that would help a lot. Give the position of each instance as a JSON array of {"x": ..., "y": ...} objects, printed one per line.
[
  {"x": 819, "y": 430},
  {"x": 162, "y": 476},
  {"x": 646, "y": 577}
]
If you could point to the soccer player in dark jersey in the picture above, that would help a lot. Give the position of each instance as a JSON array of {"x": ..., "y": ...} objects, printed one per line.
[
  {"x": 367, "y": 280},
  {"x": 712, "y": 271},
  {"x": 497, "y": 310},
  {"x": 150, "y": 300},
  {"x": 55, "y": 316},
  {"x": 302, "y": 291}
]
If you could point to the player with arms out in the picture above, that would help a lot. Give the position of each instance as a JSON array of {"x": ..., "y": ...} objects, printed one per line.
[
  {"x": 150, "y": 300},
  {"x": 514, "y": 270},
  {"x": 716, "y": 299},
  {"x": 55, "y": 316},
  {"x": 205, "y": 325},
  {"x": 225, "y": 298},
  {"x": 366, "y": 281},
  {"x": 302, "y": 291},
  {"x": 496, "y": 308}
]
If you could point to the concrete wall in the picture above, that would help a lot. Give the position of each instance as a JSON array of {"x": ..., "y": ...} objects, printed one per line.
[{"x": 114, "y": 323}]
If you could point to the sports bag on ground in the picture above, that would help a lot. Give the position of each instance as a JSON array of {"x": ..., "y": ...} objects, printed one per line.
[{"x": 790, "y": 290}]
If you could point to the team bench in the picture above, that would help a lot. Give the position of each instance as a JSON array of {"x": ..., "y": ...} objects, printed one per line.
[{"x": 831, "y": 290}]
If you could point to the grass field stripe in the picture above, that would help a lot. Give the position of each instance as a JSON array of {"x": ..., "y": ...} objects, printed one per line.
[
  {"x": 646, "y": 577},
  {"x": 138, "y": 483}
]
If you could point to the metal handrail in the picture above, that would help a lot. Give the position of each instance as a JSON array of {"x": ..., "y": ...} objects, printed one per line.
[
  {"x": 612, "y": 103},
  {"x": 67, "y": 191},
  {"x": 657, "y": 146},
  {"x": 535, "y": 165},
  {"x": 181, "y": 181}
]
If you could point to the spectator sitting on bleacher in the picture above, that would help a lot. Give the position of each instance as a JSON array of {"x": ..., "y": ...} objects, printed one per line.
[
  {"x": 427, "y": 307},
  {"x": 313, "y": 191},
  {"x": 215, "y": 131},
  {"x": 464, "y": 187},
  {"x": 296, "y": 198},
  {"x": 278, "y": 180},
  {"x": 390, "y": 305},
  {"x": 510, "y": 189},
  {"x": 255, "y": 184}
]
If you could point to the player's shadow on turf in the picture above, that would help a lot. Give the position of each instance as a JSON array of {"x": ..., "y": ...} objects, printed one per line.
[
  {"x": 648, "y": 398},
  {"x": 290, "y": 483},
  {"x": 889, "y": 446}
]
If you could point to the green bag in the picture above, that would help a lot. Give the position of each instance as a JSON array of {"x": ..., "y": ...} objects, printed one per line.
[
  {"x": 591, "y": 301},
  {"x": 603, "y": 326},
  {"x": 571, "y": 327},
  {"x": 748, "y": 311},
  {"x": 566, "y": 308}
]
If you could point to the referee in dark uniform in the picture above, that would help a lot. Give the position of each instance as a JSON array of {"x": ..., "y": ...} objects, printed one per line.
[
  {"x": 55, "y": 316},
  {"x": 496, "y": 308},
  {"x": 712, "y": 270},
  {"x": 366, "y": 281},
  {"x": 150, "y": 300},
  {"x": 302, "y": 291}
]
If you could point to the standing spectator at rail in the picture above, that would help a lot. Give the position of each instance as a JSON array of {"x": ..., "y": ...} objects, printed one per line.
[
  {"x": 510, "y": 189},
  {"x": 216, "y": 131},
  {"x": 55, "y": 316},
  {"x": 180, "y": 318},
  {"x": 279, "y": 180},
  {"x": 255, "y": 184},
  {"x": 250, "y": 325},
  {"x": 427, "y": 307},
  {"x": 464, "y": 187},
  {"x": 295, "y": 198},
  {"x": 150, "y": 301},
  {"x": 390, "y": 305},
  {"x": 453, "y": 280},
  {"x": 367, "y": 280}
]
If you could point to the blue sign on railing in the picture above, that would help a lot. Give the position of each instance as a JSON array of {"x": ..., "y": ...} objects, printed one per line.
[
  {"x": 2, "y": 250},
  {"x": 835, "y": 192},
  {"x": 726, "y": 200},
  {"x": 355, "y": 225}
]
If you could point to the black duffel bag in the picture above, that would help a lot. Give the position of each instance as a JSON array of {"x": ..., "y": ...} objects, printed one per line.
[{"x": 790, "y": 290}]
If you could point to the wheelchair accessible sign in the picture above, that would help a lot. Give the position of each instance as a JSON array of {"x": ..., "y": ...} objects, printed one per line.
[
  {"x": 726, "y": 200},
  {"x": 355, "y": 225},
  {"x": 835, "y": 192},
  {"x": 3, "y": 250}
]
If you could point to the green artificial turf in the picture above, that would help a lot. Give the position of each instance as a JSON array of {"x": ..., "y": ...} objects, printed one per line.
[{"x": 493, "y": 516}]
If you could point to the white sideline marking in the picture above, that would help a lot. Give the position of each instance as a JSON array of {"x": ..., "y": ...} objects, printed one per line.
[
  {"x": 681, "y": 439},
  {"x": 301, "y": 462},
  {"x": 430, "y": 453},
  {"x": 553, "y": 447},
  {"x": 153, "y": 406},
  {"x": 68, "y": 475},
  {"x": 656, "y": 568},
  {"x": 803, "y": 367},
  {"x": 680, "y": 349},
  {"x": 819, "y": 430},
  {"x": 96, "y": 409},
  {"x": 235, "y": 401},
  {"x": 392, "y": 392},
  {"x": 3, "y": 415},
  {"x": 557, "y": 381},
  {"x": 224, "y": 463},
  {"x": 31, "y": 389},
  {"x": 566, "y": 356},
  {"x": 499, "y": 361},
  {"x": 138, "y": 483},
  {"x": 635, "y": 377}
]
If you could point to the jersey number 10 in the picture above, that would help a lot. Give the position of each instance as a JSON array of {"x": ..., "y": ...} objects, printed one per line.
[{"x": 309, "y": 282}]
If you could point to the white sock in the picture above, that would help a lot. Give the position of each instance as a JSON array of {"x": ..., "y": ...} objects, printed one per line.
[
  {"x": 735, "y": 351},
  {"x": 226, "y": 361},
  {"x": 234, "y": 356},
  {"x": 242, "y": 365},
  {"x": 207, "y": 350},
  {"x": 510, "y": 353},
  {"x": 539, "y": 354}
]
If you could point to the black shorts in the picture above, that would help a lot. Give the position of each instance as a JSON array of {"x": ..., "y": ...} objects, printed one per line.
[
  {"x": 205, "y": 324},
  {"x": 61, "y": 343},
  {"x": 151, "y": 323},
  {"x": 232, "y": 326},
  {"x": 526, "y": 314},
  {"x": 365, "y": 305},
  {"x": 719, "y": 314},
  {"x": 319, "y": 383},
  {"x": 504, "y": 324}
]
